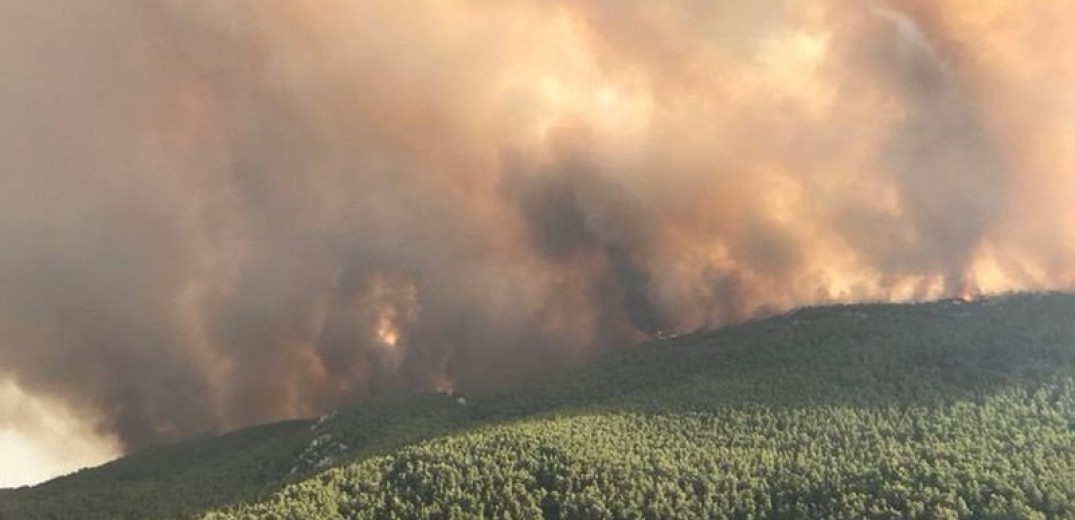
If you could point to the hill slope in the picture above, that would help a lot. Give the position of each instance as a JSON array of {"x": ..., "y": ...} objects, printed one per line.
[{"x": 948, "y": 409}]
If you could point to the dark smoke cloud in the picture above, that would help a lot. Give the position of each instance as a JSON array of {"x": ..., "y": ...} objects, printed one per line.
[{"x": 219, "y": 213}]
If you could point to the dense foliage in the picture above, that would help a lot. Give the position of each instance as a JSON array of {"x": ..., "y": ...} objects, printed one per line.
[
  {"x": 941, "y": 410},
  {"x": 999, "y": 458}
]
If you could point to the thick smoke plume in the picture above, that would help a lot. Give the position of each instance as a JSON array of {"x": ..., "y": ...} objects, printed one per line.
[{"x": 214, "y": 213}]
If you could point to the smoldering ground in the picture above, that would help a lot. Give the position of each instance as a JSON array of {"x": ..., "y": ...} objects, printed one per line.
[{"x": 219, "y": 213}]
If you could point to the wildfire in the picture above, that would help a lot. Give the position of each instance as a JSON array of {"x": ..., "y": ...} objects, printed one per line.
[{"x": 555, "y": 178}]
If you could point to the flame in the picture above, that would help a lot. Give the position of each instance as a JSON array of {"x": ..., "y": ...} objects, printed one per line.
[
  {"x": 387, "y": 332},
  {"x": 394, "y": 306}
]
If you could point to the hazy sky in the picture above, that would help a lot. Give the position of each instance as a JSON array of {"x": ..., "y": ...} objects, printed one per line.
[
  {"x": 215, "y": 213},
  {"x": 40, "y": 438}
]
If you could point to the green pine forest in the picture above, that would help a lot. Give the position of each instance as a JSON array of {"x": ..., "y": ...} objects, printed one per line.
[{"x": 948, "y": 409}]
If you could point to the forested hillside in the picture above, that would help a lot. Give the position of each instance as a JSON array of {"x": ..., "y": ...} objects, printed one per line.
[{"x": 943, "y": 410}]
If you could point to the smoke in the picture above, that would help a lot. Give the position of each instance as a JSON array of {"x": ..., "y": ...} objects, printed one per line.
[{"x": 219, "y": 213}]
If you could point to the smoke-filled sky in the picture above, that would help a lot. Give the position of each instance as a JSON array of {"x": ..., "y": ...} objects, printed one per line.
[{"x": 216, "y": 213}]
